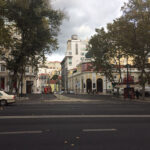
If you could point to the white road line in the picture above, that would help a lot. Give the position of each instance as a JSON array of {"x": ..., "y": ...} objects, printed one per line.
[
  {"x": 21, "y": 132},
  {"x": 73, "y": 116},
  {"x": 99, "y": 130}
]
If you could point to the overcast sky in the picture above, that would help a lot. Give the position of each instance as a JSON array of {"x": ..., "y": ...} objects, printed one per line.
[{"x": 83, "y": 17}]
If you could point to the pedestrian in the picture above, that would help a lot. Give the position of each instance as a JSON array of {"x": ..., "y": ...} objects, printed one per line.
[{"x": 137, "y": 93}]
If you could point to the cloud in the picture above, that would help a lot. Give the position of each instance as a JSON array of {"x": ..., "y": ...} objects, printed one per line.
[
  {"x": 55, "y": 57},
  {"x": 84, "y": 17},
  {"x": 83, "y": 30}
]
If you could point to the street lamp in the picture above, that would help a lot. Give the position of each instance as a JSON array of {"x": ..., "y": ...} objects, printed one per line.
[{"x": 127, "y": 82}]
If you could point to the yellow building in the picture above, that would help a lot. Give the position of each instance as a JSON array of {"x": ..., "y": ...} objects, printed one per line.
[
  {"x": 54, "y": 86},
  {"x": 84, "y": 79}
]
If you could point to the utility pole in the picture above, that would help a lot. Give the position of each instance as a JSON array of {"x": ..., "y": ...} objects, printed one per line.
[{"x": 127, "y": 78}]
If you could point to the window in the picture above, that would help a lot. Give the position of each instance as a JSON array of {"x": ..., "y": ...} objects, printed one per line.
[
  {"x": 82, "y": 58},
  {"x": 3, "y": 68},
  {"x": 76, "y": 49},
  {"x": 27, "y": 69},
  {"x": 82, "y": 54},
  {"x": 33, "y": 70},
  {"x": 70, "y": 61}
]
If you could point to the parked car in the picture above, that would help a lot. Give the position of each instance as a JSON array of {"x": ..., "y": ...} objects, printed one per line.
[
  {"x": 6, "y": 98},
  {"x": 147, "y": 91},
  {"x": 118, "y": 91}
]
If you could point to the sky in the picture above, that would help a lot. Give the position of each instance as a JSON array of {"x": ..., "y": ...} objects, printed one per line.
[{"x": 83, "y": 17}]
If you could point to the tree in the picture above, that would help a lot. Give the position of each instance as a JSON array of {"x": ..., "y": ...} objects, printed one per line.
[
  {"x": 137, "y": 14},
  {"x": 128, "y": 35},
  {"x": 5, "y": 37},
  {"x": 55, "y": 77},
  {"x": 106, "y": 55},
  {"x": 36, "y": 26}
]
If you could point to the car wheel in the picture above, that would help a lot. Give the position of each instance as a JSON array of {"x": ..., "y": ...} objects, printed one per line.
[{"x": 3, "y": 102}]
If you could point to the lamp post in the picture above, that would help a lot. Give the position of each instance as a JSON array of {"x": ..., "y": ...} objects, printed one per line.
[{"x": 127, "y": 78}]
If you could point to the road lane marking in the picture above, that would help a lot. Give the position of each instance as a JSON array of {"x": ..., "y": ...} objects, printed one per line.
[
  {"x": 99, "y": 130},
  {"x": 73, "y": 116},
  {"x": 21, "y": 132}
]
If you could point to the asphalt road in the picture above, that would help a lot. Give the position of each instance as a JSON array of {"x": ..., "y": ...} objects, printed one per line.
[{"x": 40, "y": 123}]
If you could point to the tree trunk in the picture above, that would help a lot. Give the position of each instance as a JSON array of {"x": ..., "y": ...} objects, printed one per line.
[
  {"x": 21, "y": 84},
  {"x": 143, "y": 91}
]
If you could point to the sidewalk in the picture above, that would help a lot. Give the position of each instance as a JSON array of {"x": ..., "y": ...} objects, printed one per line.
[
  {"x": 147, "y": 99},
  {"x": 79, "y": 98},
  {"x": 98, "y": 97},
  {"x": 62, "y": 99}
]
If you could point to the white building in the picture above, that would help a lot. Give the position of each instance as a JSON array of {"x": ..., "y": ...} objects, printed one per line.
[
  {"x": 76, "y": 50},
  {"x": 75, "y": 54}
]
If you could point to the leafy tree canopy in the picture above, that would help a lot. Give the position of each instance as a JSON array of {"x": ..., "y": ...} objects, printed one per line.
[
  {"x": 128, "y": 35},
  {"x": 35, "y": 26}
]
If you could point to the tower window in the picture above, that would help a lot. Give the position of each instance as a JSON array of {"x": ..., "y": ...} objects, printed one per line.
[{"x": 76, "y": 49}]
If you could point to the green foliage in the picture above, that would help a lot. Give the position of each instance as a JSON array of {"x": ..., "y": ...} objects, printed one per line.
[
  {"x": 128, "y": 35},
  {"x": 105, "y": 53},
  {"x": 137, "y": 13},
  {"x": 34, "y": 32},
  {"x": 5, "y": 35},
  {"x": 55, "y": 77}
]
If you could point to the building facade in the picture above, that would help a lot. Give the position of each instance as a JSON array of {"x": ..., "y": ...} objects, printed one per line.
[
  {"x": 78, "y": 75},
  {"x": 85, "y": 80},
  {"x": 4, "y": 77},
  {"x": 75, "y": 54},
  {"x": 45, "y": 73},
  {"x": 28, "y": 83}
]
